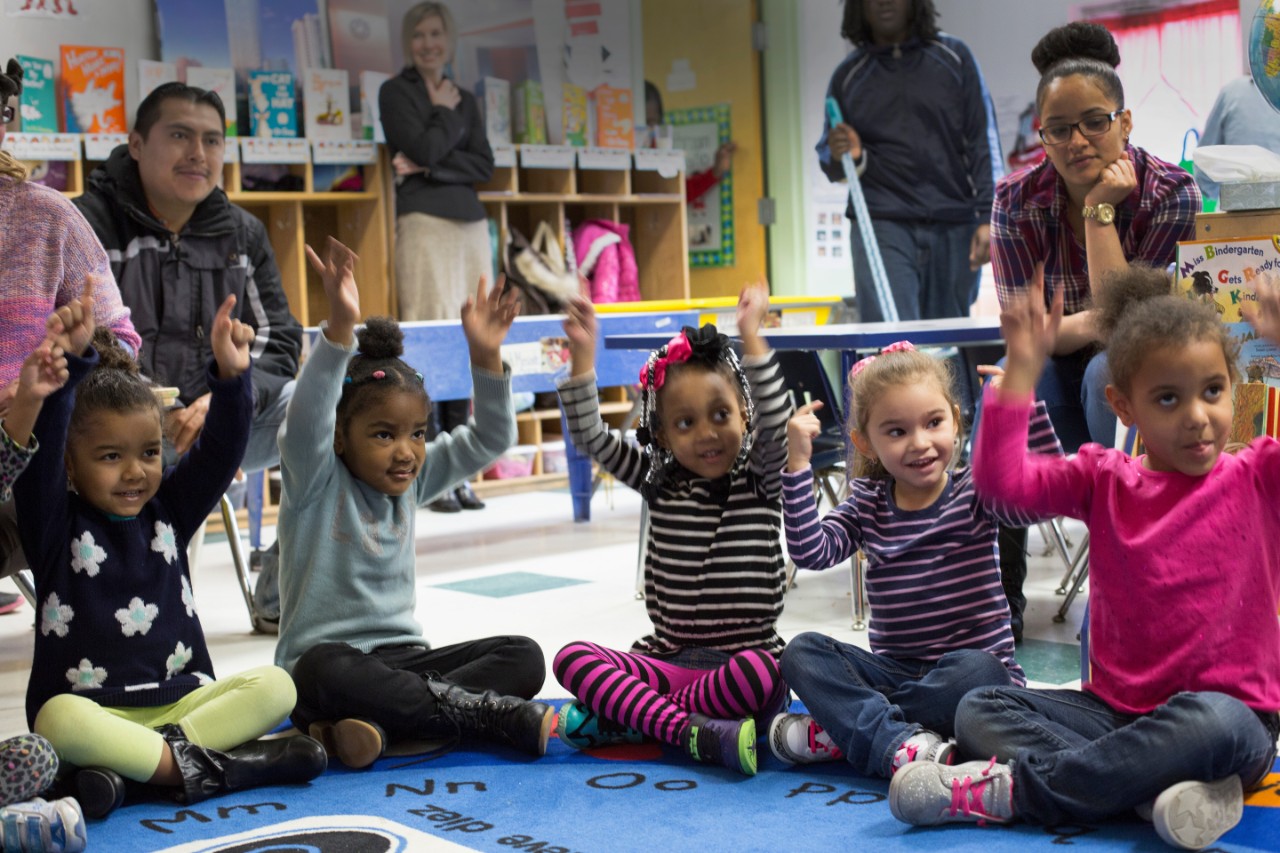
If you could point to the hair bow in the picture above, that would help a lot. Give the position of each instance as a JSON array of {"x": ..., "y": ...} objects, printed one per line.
[
  {"x": 862, "y": 363},
  {"x": 675, "y": 350}
]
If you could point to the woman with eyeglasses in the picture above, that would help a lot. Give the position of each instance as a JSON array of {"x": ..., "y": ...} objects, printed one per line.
[{"x": 1092, "y": 206}]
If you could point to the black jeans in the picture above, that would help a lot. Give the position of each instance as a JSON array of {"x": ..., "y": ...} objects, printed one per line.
[{"x": 389, "y": 684}]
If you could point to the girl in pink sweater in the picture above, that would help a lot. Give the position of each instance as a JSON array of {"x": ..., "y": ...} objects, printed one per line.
[{"x": 1180, "y": 704}]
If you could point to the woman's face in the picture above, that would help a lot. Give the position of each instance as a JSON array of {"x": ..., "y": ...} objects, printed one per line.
[
  {"x": 431, "y": 46},
  {"x": 1081, "y": 159}
]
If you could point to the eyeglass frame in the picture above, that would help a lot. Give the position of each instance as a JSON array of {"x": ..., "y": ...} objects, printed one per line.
[
  {"x": 7, "y": 113},
  {"x": 1072, "y": 127}
]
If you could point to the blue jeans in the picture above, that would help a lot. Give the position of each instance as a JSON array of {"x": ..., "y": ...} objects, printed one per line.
[
  {"x": 262, "y": 451},
  {"x": 927, "y": 265},
  {"x": 1076, "y": 759},
  {"x": 869, "y": 703}
]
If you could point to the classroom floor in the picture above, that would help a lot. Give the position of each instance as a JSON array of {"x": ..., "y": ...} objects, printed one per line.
[{"x": 523, "y": 566}]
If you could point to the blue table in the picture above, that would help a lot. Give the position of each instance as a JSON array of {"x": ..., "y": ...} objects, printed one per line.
[{"x": 438, "y": 349}]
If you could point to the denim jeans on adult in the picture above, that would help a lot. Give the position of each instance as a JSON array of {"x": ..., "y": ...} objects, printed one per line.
[
  {"x": 262, "y": 450},
  {"x": 869, "y": 703},
  {"x": 1076, "y": 759},
  {"x": 927, "y": 265}
]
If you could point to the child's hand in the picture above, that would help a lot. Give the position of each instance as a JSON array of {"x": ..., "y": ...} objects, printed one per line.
[
  {"x": 231, "y": 340},
  {"x": 1029, "y": 336},
  {"x": 581, "y": 329},
  {"x": 802, "y": 429},
  {"x": 43, "y": 372},
  {"x": 993, "y": 372},
  {"x": 71, "y": 326},
  {"x": 1265, "y": 315},
  {"x": 753, "y": 305},
  {"x": 337, "y": 273},
  {"x": 486, "y": 318}
]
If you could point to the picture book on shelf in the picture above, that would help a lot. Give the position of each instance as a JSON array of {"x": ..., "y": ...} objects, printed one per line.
[
  {"x": 93, "y": 87},
  {"x": 530, "y": 113},
  {"x": 223, "y": 82},
  {"x": 370, "y": 123},
  {"x": 152, "y": 74},
  {"x": 326, "y": 101},
  {"x": 614, "y": 120},
  {"x": 494, "y": 95},
  {"x": 273, "y": 109},
  {"x": 573, "y": 114},
  {"x": 38, "y": 103}
]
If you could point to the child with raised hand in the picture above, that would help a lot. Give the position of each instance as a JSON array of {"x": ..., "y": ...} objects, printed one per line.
[
  {"x": 714, "y": 571},
  {"x": 121, "y": 682},
  {"x": 939, "y": 617},
  {"x": 1184, "y": 573},
  {"x": 356, "y": 465}
]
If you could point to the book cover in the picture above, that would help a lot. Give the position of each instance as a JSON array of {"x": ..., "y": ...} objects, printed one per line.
[
  {"x": 1255, "y": 403},
  {"x": 38, "y": 103},
  {"x": 326, "y": 102},
  {"x": 152, "y": 74},
  {"x": 370, "y": 122},
  {"x": 530, "y": 113},
  {"x": 223, "y": 82},
  {"x": 273, "y": 110},
  {"x": 494, "y": 95},
  {"x": 573, "y": 114},
  {"x": 93, "y": 87},
  {"x": 615, "y": 127}
]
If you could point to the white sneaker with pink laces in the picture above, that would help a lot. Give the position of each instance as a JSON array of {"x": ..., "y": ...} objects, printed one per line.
[
  {"x": 924, "y": 745},
  {"x": 797, "y": 739},
  {"x": 926, "y": 794}
]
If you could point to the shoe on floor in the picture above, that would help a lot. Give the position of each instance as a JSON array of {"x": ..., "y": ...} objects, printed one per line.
[
  {"x": 28, "y": 767},
  {"x": 797, "y": 739},
  {"x": 39, "y": 826},
  {"x": 354, "y": 741},
  {"x": 445, "y": 503},
  {"x": 924, "y": 745},
  {"x": 466, "y": 498},
  {"x": 1193, "y": 815},
  {"x": 9, "y": 602},
  {"x": 729, "y": 743},
  {"x": 100, "y": 791},
  {"x": 923, "y": 793},
  {"x": 580, "y": 728}
]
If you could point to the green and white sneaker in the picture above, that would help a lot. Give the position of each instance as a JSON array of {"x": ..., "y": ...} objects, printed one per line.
[
  {"x": 1193, "y": 815},
  {"x": 581, "y": 728},
  {"x": 729, "y": 743}
]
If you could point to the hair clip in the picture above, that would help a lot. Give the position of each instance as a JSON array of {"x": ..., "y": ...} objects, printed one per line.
[
  {"x": 420, "y": 377},
  {"x": 863, "y": 363},
  {"x": 379, "y": 374},
  {"x": 347, "y": 380}
]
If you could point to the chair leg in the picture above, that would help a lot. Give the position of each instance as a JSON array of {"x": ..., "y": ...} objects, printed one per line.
[
  {"x": 1080, "y": 568},
  {"x": 26, "y": 584},
  {"x": 239, "y": 560},
  {"x": 858, "y": 582},
  {"x": 1063, "y": 546},
  {"x": 644, "y": 543}
]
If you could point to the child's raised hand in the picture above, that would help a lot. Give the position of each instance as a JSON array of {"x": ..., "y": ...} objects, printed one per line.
[
  {"x": 231, "y": 340},
  {"x": 486, "y": 318},
  {"x": 580, "y": 328},
  {"x": 802, "y": 429},
  {"x": 753, "y": 305},
  {"x": 337, "y": 273},
  {"x": 71, "y": 326},
  {"x": 44, "y": 371},
  {"x": 1265, "y": 315},
  {"x": 1029, "y": 335}
]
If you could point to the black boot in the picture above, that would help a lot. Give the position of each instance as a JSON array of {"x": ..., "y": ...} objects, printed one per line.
[
  {"x": 466, "y": 498},
  {"x": 207, "y": 772},
  {"x": 517, "y": 722},
  {"x": 100, "y": 791}
]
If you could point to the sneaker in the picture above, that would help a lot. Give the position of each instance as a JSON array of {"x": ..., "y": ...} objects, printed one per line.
[
  {"x": 924, "y": 745},
  {"x": 923, "y": 793},
  {"x": 797, "y": 739},
  {"x": 355, "y": 742},
  {"x": 580, "y": 728},
  {"x": 730, "y": 743},
  {"x": 28, "y": 766},
  {"x": 1193, "y": 815},
  {"x": 9, "y": 602},
  {"x": 40, "y": 826}
]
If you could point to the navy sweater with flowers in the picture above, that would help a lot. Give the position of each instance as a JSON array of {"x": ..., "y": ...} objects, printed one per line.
[{"x": 116, "y": 621}]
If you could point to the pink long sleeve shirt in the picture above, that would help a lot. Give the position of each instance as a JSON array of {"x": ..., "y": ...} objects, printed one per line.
[{"x": 1184, "y": 571}]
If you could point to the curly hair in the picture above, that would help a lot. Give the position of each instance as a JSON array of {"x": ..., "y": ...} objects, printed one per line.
[
  {"x": 853, "y": 27},
  {"x": 114, "y": 385},
  {"x": 1078, "y": 48},
  {"x": 377, "y": 371},
  {"x": 891, "y": 370}
]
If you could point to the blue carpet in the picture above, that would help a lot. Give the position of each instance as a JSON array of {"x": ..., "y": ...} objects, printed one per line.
[{"x": 642, "y": 798}]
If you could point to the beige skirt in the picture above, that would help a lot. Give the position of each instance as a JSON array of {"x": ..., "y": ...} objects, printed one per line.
[{"x": 438, "y": 264}]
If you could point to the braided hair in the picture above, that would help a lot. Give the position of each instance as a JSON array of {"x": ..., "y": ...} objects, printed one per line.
[
  {"x": 692, "y": 349},
  {"x": 377, "y": 371},
  {"x": 115, "y": 385}
]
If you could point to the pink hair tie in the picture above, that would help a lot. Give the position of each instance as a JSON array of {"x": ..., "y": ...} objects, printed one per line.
[
  {"x": 379, "y": 374},
  {"x": 676, "y": 350},
  {"x": 862, "y": 363}
]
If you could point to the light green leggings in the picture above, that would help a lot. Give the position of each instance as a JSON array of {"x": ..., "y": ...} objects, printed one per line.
[{"x": 220, "y": 715}]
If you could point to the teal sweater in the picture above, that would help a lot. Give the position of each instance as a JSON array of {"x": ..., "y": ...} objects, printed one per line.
[{"x": 347, "y": 550}]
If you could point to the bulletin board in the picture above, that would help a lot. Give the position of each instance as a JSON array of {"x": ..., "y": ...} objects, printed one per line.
[{"x": 699, "y": 132}]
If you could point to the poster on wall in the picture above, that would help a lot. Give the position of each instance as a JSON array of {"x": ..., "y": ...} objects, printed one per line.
[
  {"x": 62, "y": 9},
  {"x": 699, "y": 132}
]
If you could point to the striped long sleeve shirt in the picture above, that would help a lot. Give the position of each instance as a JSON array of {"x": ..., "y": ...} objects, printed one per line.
[
  {"x": 933, "y": 575},
  {"x": 714, "y": 569}
]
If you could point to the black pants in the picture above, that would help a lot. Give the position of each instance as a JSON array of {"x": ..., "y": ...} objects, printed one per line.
[{"x": 388, "y": 684}]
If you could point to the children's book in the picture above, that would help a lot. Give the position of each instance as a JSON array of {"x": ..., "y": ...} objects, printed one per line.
[
  {"x": 152, "y": 74},
  {"x": 326, "y": 100},
  {"x": 39, "y": 100},
  {"x": 530, "y": 113},
  {"x": 223, "y": 82},
  {"x": 273, "y": 110},
  {"x": 93, "y": 87},
  {"x": 573, "y": 114},
  {"x": 494, "y": 95},
  {"x": 615, "y": 127},
  {"x": 370, "y": 121}
]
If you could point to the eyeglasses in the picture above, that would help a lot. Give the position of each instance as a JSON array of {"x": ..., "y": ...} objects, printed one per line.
[
  {"x": 1058, "y": 134},
  {"x": 8, "y": 114}
]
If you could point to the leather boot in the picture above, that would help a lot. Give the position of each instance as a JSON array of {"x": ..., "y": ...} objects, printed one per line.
[
  {"x": 521, "y": 723},
  {"x": 207, "y": 772}
]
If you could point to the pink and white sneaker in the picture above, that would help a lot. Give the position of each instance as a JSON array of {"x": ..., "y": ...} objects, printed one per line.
[
  {"x": 923, "y": 793},
  {"x": 924, "y": 745},
  {"x": 797, "y": 739}
]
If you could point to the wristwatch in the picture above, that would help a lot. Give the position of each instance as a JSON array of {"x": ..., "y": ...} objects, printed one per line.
[{"x": 1104, "y": 213}]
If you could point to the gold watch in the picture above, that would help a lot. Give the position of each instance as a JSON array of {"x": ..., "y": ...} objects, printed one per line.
[{"x": 1104, "y": 213}]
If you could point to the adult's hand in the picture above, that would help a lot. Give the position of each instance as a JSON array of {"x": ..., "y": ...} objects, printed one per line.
[
  {"x": 1115, "y": 183},
  {"x": 444, "y": 94},
  {"x": 980, "y": 247},
  {"x": 183, "y": 426},
  {"x": 403, "y": 166},
  {"x": 843, "y": 139}
]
